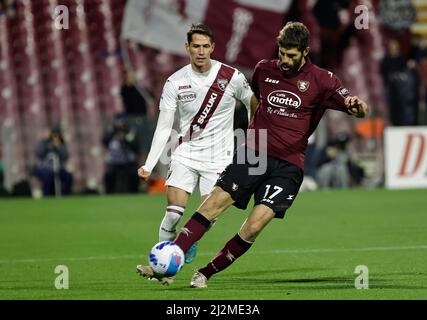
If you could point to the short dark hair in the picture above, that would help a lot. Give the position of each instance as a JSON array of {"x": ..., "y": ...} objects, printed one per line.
[
  {"x": 199, "y": 28},
  {"x": 294, "y": 35}
]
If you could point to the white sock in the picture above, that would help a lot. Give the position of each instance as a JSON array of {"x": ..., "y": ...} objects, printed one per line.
[{"x": 167, "y": 231}]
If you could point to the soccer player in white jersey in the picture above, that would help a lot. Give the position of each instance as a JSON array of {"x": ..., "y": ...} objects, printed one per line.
[{"x": 204, "y": 93}]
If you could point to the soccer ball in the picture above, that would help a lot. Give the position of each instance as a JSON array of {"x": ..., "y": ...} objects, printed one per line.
[{"x": 166, "y": 258}]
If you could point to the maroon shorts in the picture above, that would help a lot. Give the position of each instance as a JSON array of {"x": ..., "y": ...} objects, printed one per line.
[{"x": 276, "y": 188}]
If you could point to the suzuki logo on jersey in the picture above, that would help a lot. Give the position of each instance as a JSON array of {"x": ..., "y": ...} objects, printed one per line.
[
  {"x": 282, "y": 98},
  {"x": 222, "y": 84},
  {"x": 268, "y": 80},
  {"x": 208, "y": 107}
]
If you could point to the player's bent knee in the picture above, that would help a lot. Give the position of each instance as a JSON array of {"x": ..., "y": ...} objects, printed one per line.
[
  {"x": 256, "y": 222},
  {"x": 217, "y": 201},
  {"x": 250, "y": 231}
]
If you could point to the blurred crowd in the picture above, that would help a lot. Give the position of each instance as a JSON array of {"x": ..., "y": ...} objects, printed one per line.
[
  {"x": 8, "y": 8},
  {"x": 403, "y": 67},
  {"x": 124, "y": 141}
]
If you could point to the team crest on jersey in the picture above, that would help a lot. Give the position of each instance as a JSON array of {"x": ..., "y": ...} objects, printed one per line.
[
  {"x": 222, "y": 84},
  {"x": 303, "y": 85}
]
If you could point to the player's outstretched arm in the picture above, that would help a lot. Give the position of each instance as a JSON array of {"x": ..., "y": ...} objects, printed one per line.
[
  {"x": 356, "y": 106},
  {"x": 160, "y": 138}
]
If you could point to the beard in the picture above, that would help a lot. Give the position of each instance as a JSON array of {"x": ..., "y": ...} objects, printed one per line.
[{"x": 292, "y": 70}]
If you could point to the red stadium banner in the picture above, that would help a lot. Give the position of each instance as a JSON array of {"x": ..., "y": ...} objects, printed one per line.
[{"x": 244, "y": 30}]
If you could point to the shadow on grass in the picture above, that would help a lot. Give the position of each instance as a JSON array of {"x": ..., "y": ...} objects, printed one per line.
[
  {"x": 275, "y": 272},
  {"x": 279, "y": 279}
]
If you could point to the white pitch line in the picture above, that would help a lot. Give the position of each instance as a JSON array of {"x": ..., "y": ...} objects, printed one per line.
[
  {"x": 397, "y": 248},
  {"x": 72, "y": 259},
  {"x": 284, "y": 251}
]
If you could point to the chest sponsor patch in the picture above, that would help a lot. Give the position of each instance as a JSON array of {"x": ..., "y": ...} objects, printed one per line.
[
  {"x": 187, "y": 96},
  {"x": 283, "y": 98}
]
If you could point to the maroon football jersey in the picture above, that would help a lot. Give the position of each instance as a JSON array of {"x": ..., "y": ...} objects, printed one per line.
[{"x": 290, "y": 107}]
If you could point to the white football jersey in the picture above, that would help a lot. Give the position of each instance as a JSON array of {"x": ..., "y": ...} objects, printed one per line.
[{"x": 205, "y": 103}]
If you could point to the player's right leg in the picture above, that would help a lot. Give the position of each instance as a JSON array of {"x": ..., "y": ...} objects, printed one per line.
[
  {"x": 190, "y": 255},
  {"x": 217, "y": 201},
  {"x": 208, "y": 177}
]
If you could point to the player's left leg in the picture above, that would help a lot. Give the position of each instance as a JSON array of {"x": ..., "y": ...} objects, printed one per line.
[
  {"x": 200, "y": 222},
  {"x": 260, "y": 216}
]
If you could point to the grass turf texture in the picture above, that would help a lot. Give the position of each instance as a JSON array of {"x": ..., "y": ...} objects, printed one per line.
[{"x": 311, "y": 254}]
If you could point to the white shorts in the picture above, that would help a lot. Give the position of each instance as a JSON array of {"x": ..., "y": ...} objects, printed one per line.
[{"x": 187, "y": 178}]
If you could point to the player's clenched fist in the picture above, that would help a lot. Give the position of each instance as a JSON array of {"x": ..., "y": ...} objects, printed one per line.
[
  {"x": 143, "y": 173},
  {"x": 356, "y": 106}
]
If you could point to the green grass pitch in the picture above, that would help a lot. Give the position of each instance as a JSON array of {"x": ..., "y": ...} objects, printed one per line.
[{"x": 311, "y": 254}]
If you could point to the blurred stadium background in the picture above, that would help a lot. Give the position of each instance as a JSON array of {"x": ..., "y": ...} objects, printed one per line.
[{"x": 72, "y": 79}]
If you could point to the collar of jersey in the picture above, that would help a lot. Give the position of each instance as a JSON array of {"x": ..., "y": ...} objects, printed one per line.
[{"x": 203, "y": 75}]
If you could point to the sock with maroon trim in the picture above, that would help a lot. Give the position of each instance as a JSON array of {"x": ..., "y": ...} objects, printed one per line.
[
  {"x": 167, "y": 231},
  {"x": 193, "y": 230},
  {"x": 232, "y": 250}
]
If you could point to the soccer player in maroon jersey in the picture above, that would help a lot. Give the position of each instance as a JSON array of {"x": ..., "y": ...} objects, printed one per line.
[{"x": 293, "y": 95}]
